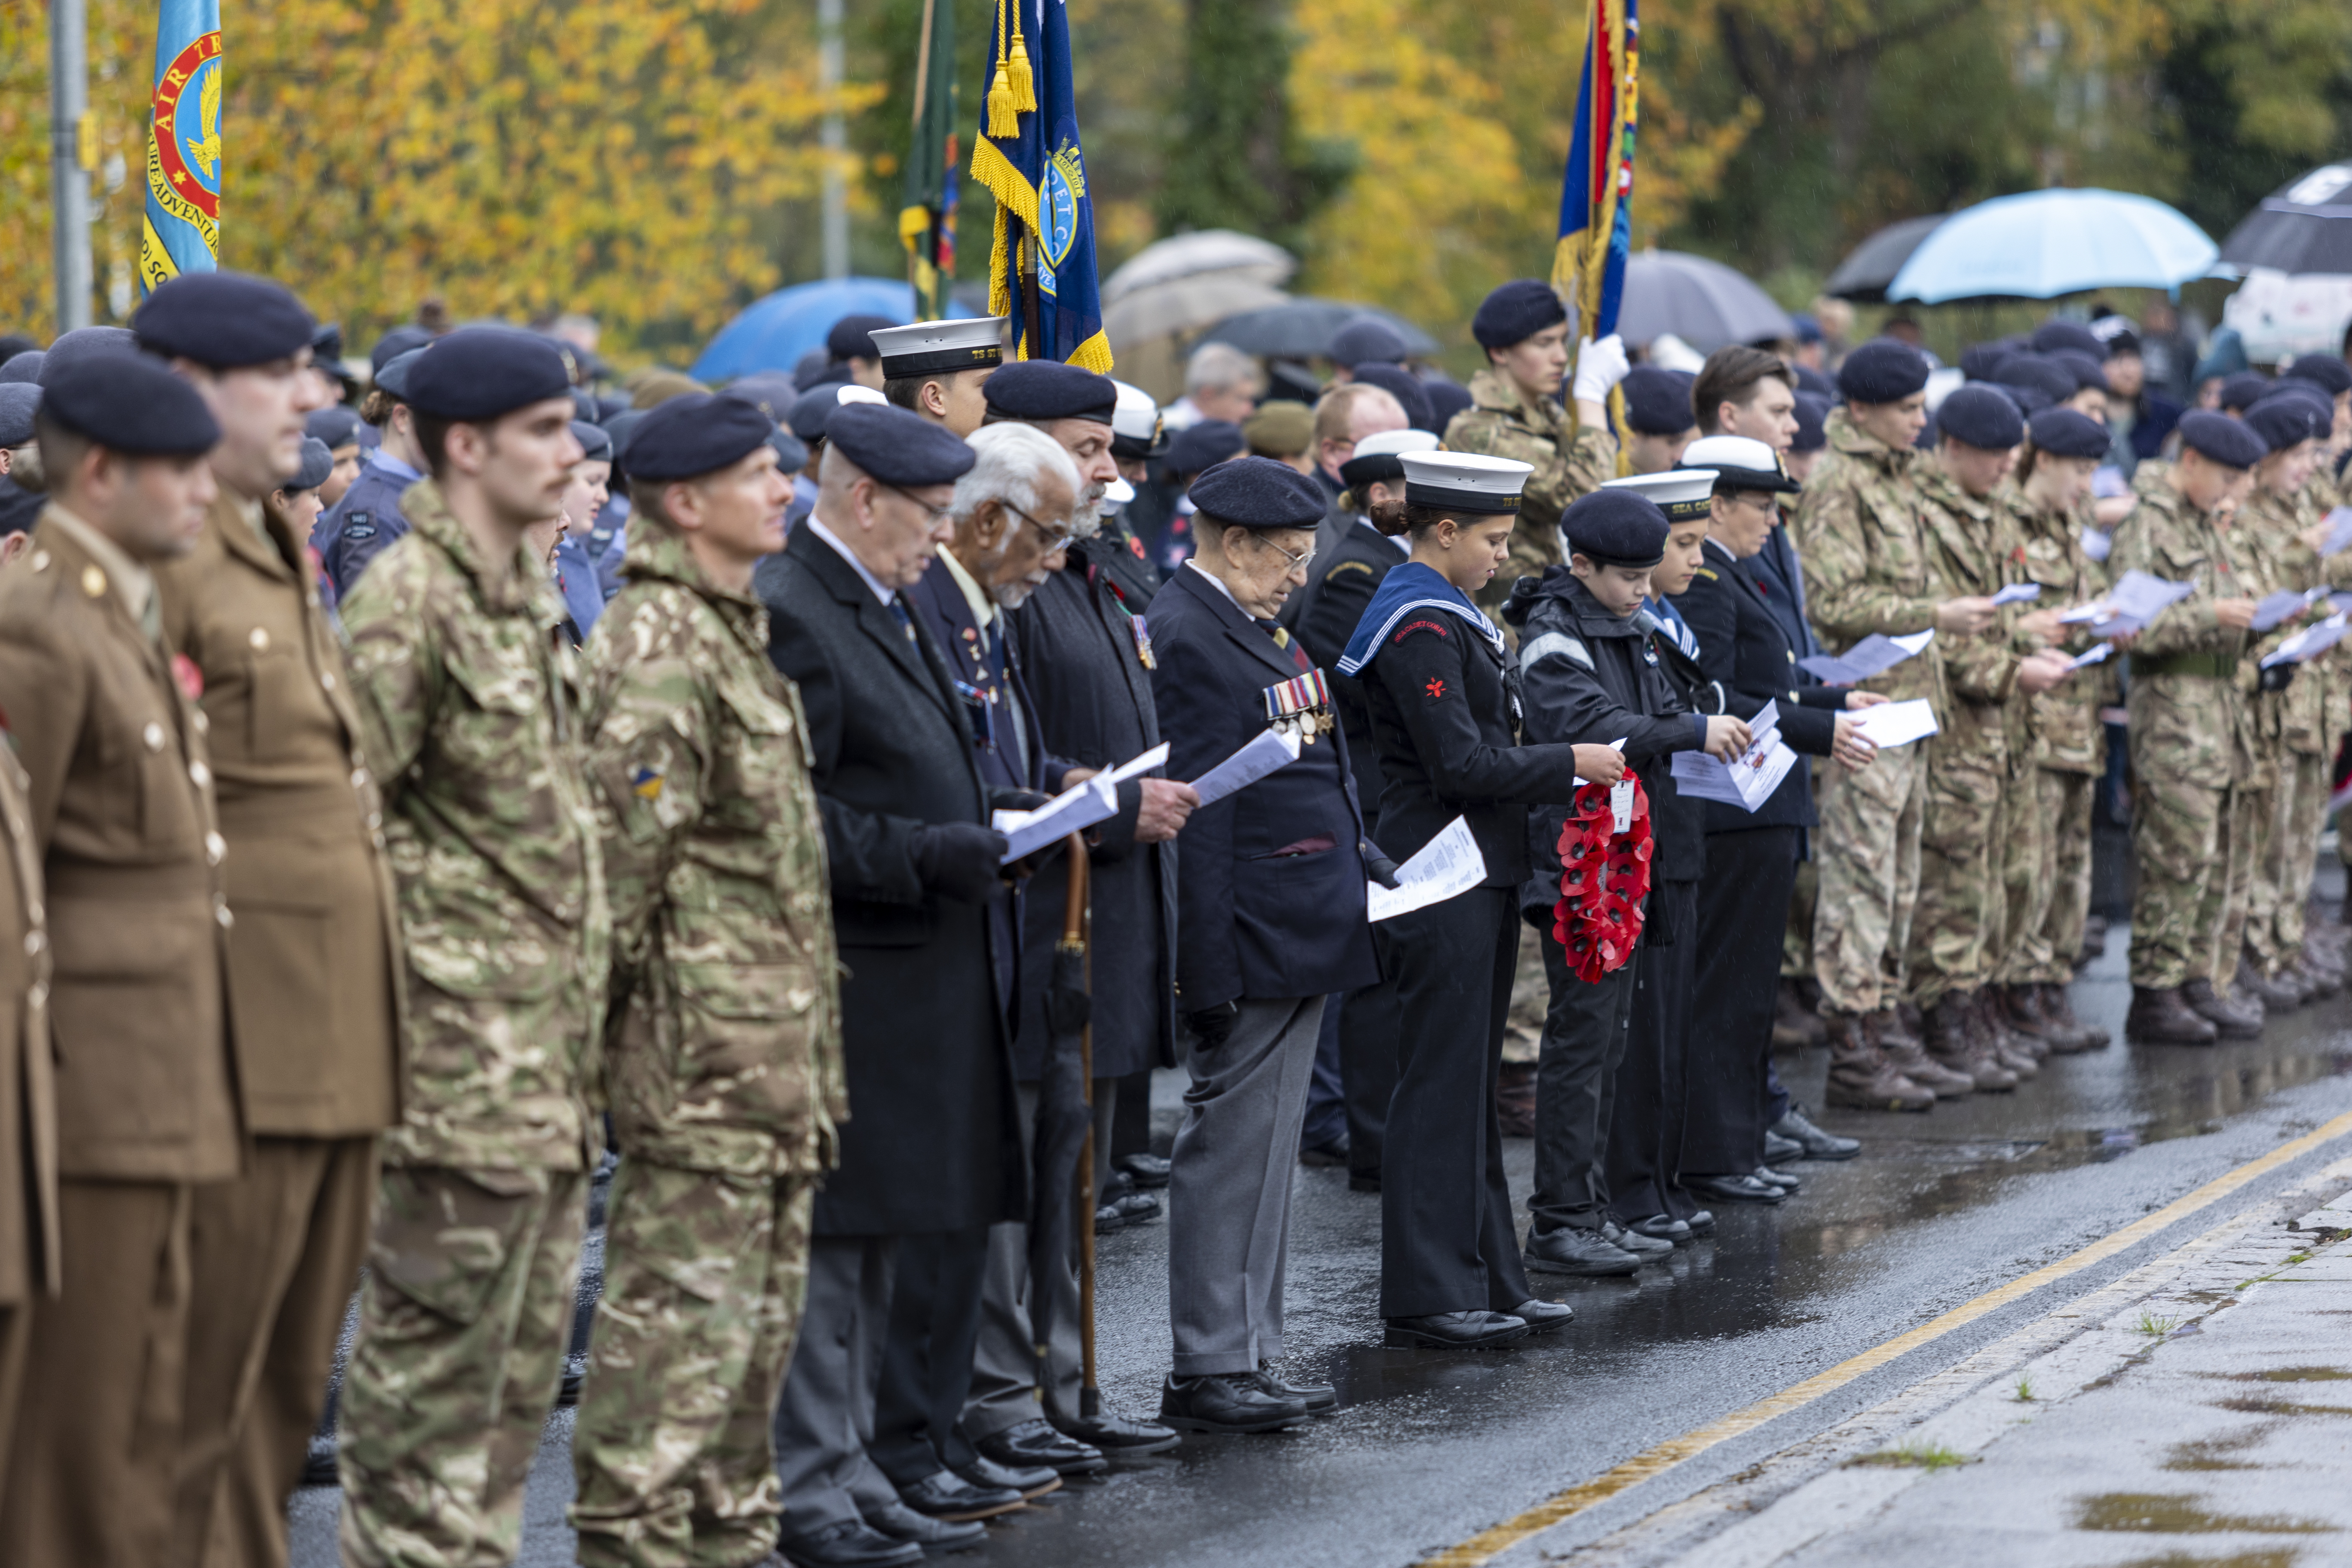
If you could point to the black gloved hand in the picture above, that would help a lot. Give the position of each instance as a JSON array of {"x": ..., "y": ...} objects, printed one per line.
[
  {"x": 2276, "y": 677},
  {"x": 959, "y": 860},
  {"x": 1379, "y": 867},
  {"x": 1212, "y": 1026}
]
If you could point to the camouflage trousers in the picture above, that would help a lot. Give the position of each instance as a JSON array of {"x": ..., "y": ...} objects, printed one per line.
[
  {"x": 1866, "y": 855},
  {"x": 2193, "y": 848},
  {"x": 705, "y": 1275},
  {"x": 2047, "y": 841},
  {"x": 2286, "y": 846},
  {"x": 1530, "y": 1004},
  {"x": 1797, "y": 936},
  {"x": 464, "y": 1320},
  {"x": 1958, "y": 925}
]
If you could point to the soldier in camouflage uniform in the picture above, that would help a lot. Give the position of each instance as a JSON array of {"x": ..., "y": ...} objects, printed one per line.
[
  {"x": 468, "y": 696},
  {"x": 724, "y": 1060},
  {"x": 1515, "y": 413},
  {"x": 2191, "y": 743}
]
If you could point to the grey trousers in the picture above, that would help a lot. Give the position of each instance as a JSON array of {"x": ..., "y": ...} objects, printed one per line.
[
  {"x": 825, "y": 1416},
  {"x": 1229, "y": 1187},
  {"x": 1005, "y": 1390}
]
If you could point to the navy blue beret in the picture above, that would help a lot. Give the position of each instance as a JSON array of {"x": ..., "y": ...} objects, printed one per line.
[
  {"x": 2051, "y": 336},
  {"x": 617, "y": 430},
  {"x": 2046, "y": 376},
  {"x": 792, "y": 456},
  {"x": 1515, "y": 313},
  {"x": 770, "y": 392},
  {"x": 2069, "y": 433},
  {"x": 2325, "y": 371},
  {"x": 327, "y": 343},
  {"x": 84, "y": 344},
  {"x": 2088, "y": 370},
  {"x": 1367, "y": 338},
  {"x": 317, "y": 463},
  {"x": 336, "y": 427},
  {"x": 26, "y": 367},
  {"x": 1405, "y": 388},
  {"x": 1048, "y": 389},
  {"x": 898, "y": 447},
  {"x": 2243, "y": 390},
  {"x": 595, "y": 444},
  {"x": 2285, "y": 422},
  {"x": 127, "y": 403},
  {"x": 1814, "y": 381},
  {"x": 1981, "y": 416},
  {"x": 1882, "y": 370},
  {"x": 1616, "y": 528},
  {"x": 1446, "y": 399},
  {"x": 1658, "y": 402},
  {"x": 816, "y": 367},
  {"x": 1981, "y": 361},
  {"x": 393, "y": 345},
  {"x": 2307, "y": 391},
  {"x": 1812, "y": 417},
  {"x": 1259, "y": 492},
  {"x": 392, "y": 379},
  {"x": 811, "y": 409},
  {"x": 1204, "y": 445},
  {"x": 485, "y": 372},
  {"x": 2030, "y": 400},
  {"x": 852, "y": 337},
  {"x": 697, "y": 434},
  {"x": 2221, "y": 439},
  {"x": 223, "y": 319},
  {"x": 18, "y": 399}
]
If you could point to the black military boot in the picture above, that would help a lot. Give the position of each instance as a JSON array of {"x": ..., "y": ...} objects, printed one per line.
[{"x": 2158, "y": 1016}]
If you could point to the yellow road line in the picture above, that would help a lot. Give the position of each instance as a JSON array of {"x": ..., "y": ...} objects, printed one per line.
[{"x": 1488, "y": 1544}]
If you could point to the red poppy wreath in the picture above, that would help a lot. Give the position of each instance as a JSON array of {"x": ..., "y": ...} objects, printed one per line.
[{"x": 1604, "y": 877}]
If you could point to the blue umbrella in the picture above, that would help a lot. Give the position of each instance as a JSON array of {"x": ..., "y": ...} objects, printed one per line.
[
  {"x": 774, "y": 332},
  {"x": 2043, "y": 244}
]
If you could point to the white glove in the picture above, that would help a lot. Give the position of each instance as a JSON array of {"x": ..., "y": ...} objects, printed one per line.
[{"x": 1600, "y": 367}]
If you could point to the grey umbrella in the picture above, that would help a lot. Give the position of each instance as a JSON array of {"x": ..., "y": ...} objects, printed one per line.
[
  {"x": 2304, "y": 226},
  {"x": 1702, "y": 302},
  {"x": 1304, "y": 327},
  {"x": 1870, "y": 266}
]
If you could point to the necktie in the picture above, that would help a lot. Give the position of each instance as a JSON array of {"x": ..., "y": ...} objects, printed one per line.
[{"x": 905, "y": 624}]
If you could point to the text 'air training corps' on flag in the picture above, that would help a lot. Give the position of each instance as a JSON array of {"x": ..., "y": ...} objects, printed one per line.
[{"x": 183, "y": 145}]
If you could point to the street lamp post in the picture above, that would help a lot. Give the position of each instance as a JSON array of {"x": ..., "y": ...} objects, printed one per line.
[{"x": 71, "y": 144}]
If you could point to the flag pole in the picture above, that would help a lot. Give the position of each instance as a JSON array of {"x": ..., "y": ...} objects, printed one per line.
[
  {"x": 71, "y": 146},
  {"x": 1025, "y": 255},
  {"x": 916, "y": 259}
]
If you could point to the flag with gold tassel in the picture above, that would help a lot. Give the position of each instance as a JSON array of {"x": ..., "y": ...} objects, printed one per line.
[
  {"x": 926, "y": 219},
  {"x": 1596, "y": 196},
  {"x": 1041, "y": 267},
  {"x": 183, "y": 145}
]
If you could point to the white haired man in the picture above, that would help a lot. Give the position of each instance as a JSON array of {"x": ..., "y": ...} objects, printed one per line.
[{"x": 1221, "y": 381}]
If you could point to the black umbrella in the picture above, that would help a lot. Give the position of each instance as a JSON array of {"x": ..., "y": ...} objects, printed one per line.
[
  {"x": 1863, "y": 275},
  {"x": 1304, "y": 327},
  {"x": 2302, "y": 226}
]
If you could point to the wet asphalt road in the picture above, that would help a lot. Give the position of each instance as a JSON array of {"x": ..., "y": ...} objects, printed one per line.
[{"x": 1431, "y": 1448}]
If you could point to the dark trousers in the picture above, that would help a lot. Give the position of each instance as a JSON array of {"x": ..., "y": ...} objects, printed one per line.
[
  {"x": 1447, "y": 1241},
  {"x": 926, "y": 1355},
  {"x": 1749, "y": 872},
  {"x": 1327, "y": 1092},
  {"x": 1646, "y": 1131},
  {"x": 1368, "y": 1069},
  {"x": 1584, "y": 1038}
]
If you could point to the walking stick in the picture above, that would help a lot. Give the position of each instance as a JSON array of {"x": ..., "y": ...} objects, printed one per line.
[{"x": 1076, "y": 922}]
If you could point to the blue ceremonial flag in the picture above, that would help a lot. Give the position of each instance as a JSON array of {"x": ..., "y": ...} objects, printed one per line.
[
  {"x": 183, "y": 145},
  {"x": 1027, "y": 156},
  {"x": 1596, "y": 192}
]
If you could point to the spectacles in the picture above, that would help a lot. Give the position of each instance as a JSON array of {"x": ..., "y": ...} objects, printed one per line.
[
  {"x": 1053, "y": 538},
  {"x": 1298, "y": 562},
  {"x": 936, "y": 515}
]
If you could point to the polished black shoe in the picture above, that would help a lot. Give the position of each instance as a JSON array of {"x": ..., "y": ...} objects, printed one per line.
[
  {"x": 1321, "y": 1398},
  {"x": 1648, "y": 1248},
  {"x": 1778, "y": 1149},
  {"x": 1663, "y": 1227},
  {"x": 1456, "y": 1330},
  {"x": 1700, "y": 1221},
  {"x": 1335, "y": 1152},
  {"x": 1743, "y": 1189},
  {"x": 852, "y": 1543},
  {"x": 1363, "y": 1181},
  {"x": 1781, "y": 1179},
  {"x": 1139, "y": 1208},
  {"x": 1034, "y": 1445},
  {"x": 946, "y": 1494},
  {"x": 1798, "y": 1128},
  {"x": 1108, "y": 1219},
  {"x": 1568, "y": 1250},
  {"x": 1031, "y": 1481},
  {"x": 1542, "y": 1317},
  {"x": 1226, "y": 1402},
  {"x": 1144, "y": 1169},
  {"x": 1116, "y": 1434},
  {"x": 899, "y": 1523}
]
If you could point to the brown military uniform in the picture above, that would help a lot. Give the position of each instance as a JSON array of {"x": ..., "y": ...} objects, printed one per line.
[
  {"x": 312, "y": 960},
  {"x": 28, "y": 1106},
  {"x": 146, "y": 1084}
]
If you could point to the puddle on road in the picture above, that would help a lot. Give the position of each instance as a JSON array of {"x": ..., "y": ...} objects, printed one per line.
[{"x": 2158, "y": 1513}]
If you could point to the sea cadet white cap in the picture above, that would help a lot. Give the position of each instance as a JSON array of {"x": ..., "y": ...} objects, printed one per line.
[
  {"x": 928, "y": 348},
  {"x": 1463, "y": 482},
  {"x": 1680, "y": 493}
]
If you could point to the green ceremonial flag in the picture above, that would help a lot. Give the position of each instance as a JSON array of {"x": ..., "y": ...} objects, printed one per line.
[{"x": 927, "y": 220}]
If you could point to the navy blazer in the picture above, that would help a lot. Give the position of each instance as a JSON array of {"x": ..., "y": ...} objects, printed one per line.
[
  {"x": 1781, "y": 575},
  {"x": 1271, "y": 903}
]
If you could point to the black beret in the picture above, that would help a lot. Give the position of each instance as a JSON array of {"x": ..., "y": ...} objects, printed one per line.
[
  {"x": 2283, "y": 422},
  {"x": 317, "y": 463},
  {"x": 1517, "y": 312},
  {"x": 2069, "y": 433},
  {"x": 616, "y": 429},
  {"x": 1405, "y": 388},
  {"x": 2030, "y": 400},
  {"x": 791, "y": 454},
  {"x": 485, "y": 372},
  {"x": 695, "y": 435},
  {"x": 1658, "y": 402},
  {"x": 816, "y": 367},
  {"x": 1048, "y": 389},
  {"x": 1259, "y": 492},
  {"x": 127, "y": 403},
  {"x": 2088, "y": 370},
  {"x": 1446, "y": 399},
  {"x": 1813, "y": 417},
  {"x": 26, "y": 367},
  {"x": 1367, "y": 338},
  {"x": 770, "y": 392},
  {"x": 223, "y": 319},
  {"x": 2046, "y": 376},
  {"x": 1616, "y": 528},
  {"x": 2327, "y": 372},
  {"x": 812, "y": 408},
  {"x": 1981, "y": 361},
  {"x": 595, "y": 444},
  {"x": 393, "y": 345},
  {"x": 2307, "y": 391},
  {"x": 336, "y": 427},
  {"x": 898, "y": 447},
  {"x": 2243, "y": 390},
  {"x": 83, "y": 344},
  {"x": 2051, "y": 336},
  {"x": 18, "y": 399},
  {"x": 2221, "y": 439},
  {"x": 1882, "y": 370},
  {"x": 392, "y": 379},
  {"x": 1981, "y": 416},
  {"x": 852, "y": 337},
  {"x": 1203, "y": 445},
  {"x": 1814, "y": 381}
]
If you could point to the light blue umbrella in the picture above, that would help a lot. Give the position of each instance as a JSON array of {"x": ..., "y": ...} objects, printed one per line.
[
  {"x": 774, "y": 332},
  {"x": 2043, "y": 244}
]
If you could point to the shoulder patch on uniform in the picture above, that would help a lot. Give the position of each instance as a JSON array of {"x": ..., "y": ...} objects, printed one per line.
[
  {"x": 1554, "y": 645},
  {"x": 358, "y": 527},
  {"x": 1410, "y": 628}
]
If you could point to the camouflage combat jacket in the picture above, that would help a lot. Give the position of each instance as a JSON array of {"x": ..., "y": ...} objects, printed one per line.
[
  {"x": 2188, "y": 720},
  {"x": 2266, "y": 531},
  {"x": 471, "y": 705},
  {"x": 2063, "y": 721},
  {"x": 1569, "y": 460},
  {"x": 1973, "y": 550},
  {"x": 725, "y": 1046},
  {"x": 1867, "y": 567}
]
